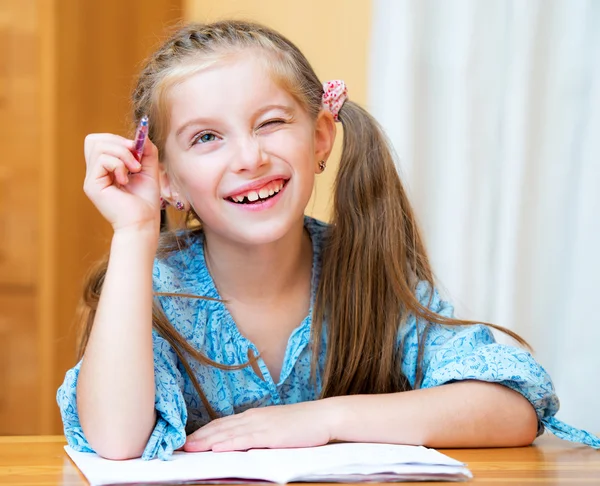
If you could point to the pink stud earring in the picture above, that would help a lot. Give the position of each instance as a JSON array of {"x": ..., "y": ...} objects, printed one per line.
[
  {"x": 163, "y": 203},
  {"x": 179, "y": 205}
]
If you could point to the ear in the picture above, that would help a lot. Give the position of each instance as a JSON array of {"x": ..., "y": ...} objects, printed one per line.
[
  {"x": 325, "y": 131},
  {"x": 168, "y": 187}
]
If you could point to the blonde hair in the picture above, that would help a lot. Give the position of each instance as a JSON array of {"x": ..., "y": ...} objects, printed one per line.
[
  {"x": 373, "y": 255},
  {"x": 196, "y": 47}
]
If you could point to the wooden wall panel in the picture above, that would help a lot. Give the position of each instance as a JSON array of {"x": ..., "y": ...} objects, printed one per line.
[
  {"x": 66, "y": 69},
  {"x": 19, "y": 394},
  {"x": 98, "y": 50},
  {"x": 19, "y": 134},
  {"x": 19, "y": 198}
]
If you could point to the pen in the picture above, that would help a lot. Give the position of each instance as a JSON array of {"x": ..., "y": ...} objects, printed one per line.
[{"x": 140, "y": 137}]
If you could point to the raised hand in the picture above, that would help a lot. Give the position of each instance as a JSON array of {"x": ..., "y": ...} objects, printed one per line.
[{"x": 125, "y": 192}]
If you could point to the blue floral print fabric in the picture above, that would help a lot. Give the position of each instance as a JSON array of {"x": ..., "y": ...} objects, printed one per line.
[{"x": 451, "y": 353}]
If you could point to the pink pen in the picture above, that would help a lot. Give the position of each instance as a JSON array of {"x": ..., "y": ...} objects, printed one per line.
[{"x": 140, "y": 137}]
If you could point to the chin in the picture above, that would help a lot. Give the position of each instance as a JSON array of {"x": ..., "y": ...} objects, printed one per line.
[
  {"x": 255, "y": 233},
  {"x": 264, "y": 232}
]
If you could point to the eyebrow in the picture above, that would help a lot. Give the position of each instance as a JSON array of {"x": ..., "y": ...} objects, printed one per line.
[{"x": 288, "y": 110}]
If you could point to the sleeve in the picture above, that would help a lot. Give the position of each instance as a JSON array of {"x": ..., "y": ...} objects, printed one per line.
[
  {"x": 455, "y": 353},
  {"x": 169, "y": 431}
]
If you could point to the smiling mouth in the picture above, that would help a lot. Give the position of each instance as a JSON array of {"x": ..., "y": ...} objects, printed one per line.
[{"x": 263, "y": 194}]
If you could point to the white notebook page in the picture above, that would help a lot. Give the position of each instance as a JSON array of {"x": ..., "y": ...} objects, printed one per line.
[{"x": 275, "y": 465}]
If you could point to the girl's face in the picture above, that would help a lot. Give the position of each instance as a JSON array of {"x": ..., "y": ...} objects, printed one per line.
[{"x": 242, "y": 152}]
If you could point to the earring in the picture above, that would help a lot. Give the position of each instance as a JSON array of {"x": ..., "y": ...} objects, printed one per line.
[
  {"x": 163, "y": 204},
  {"x": 322, "y": 165},
  {"x": 179, "y": 205}
]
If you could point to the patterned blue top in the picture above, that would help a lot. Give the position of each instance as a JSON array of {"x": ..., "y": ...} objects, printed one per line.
[{"x": 450, "y": 354}]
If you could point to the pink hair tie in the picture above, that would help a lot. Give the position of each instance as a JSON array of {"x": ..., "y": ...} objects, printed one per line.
[{"x": 334, "y": 95}]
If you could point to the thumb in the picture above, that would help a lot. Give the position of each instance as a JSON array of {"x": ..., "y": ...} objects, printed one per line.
[{"x": 149, "y": 159}]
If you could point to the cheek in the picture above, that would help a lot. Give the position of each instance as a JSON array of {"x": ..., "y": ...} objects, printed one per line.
[
  {"x": 293, "y": 146},
  {"x": 200, "y": 180}
]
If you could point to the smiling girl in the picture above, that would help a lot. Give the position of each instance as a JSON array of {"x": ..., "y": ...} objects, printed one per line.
[{"x": 257, "y": 326}]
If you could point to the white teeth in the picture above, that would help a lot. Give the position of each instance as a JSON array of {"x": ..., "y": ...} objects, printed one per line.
[{"x": 263, "y": 193}]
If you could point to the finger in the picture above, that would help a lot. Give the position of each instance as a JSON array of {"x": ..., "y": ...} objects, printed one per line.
[
  {"x": 109, "y": 165},
  {"x": 149, "y": 147},
  {"x": 205, "y": 443},
  {"x": 94, "y": 139},
  {"x": 239, "y": 443},
  {"x": 201, "y": 434},
  {"x": 119, "y": 151},
  {"x": 197, "y": 446},
  {"x": 215, "y": 426},
  {"x": 121, "y": 175},
  {"x": 149, "y": 157},
  {"x": 216, "y": 431}
]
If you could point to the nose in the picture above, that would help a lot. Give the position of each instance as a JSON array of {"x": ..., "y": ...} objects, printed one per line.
[{"x": 249, "y": 155}]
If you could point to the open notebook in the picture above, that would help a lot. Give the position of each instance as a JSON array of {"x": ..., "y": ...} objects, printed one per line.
[{"x": 345, "y": 462}]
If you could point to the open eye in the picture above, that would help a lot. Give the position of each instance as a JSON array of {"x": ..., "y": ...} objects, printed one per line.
[{"x": 204, "y": 137}]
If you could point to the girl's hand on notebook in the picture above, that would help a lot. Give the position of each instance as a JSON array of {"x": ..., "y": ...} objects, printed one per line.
[
  {"x": 124, "y": 191},
  {"x": 304, "y": 424}
]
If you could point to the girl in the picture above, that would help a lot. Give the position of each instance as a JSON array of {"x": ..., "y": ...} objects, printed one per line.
[{"x": 257, "y": 326}]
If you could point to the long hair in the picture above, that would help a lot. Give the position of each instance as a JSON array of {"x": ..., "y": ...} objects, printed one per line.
[{"x": 374, "y": 255}]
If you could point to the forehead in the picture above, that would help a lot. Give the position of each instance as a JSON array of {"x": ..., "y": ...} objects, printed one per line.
[{"x": 229, "y": 87}]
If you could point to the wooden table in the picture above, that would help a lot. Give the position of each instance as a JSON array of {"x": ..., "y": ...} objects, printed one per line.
[{"x": 42, "y": 461}]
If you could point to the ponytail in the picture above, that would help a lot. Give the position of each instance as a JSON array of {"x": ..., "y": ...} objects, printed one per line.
[{"x": 373, "y": 259}]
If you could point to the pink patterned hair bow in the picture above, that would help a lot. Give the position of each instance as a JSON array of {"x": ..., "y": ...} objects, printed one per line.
[{"x": 334, "y": 95}]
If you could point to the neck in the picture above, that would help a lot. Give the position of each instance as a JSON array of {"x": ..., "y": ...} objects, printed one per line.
[{"x": 259, "y": 274}]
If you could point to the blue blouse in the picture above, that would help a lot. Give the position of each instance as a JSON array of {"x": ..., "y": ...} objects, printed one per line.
[{"x": 451, "y": 353}]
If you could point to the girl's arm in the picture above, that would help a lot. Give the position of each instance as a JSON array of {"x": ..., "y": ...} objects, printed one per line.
[
  {"x": 115, "y": 391},
  {"x": 464, "y": 398},
  {"x": 460, "y": 414}
]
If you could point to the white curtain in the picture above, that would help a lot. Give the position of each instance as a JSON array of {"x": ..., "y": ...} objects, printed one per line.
[{"x": 493, "y": 107}]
